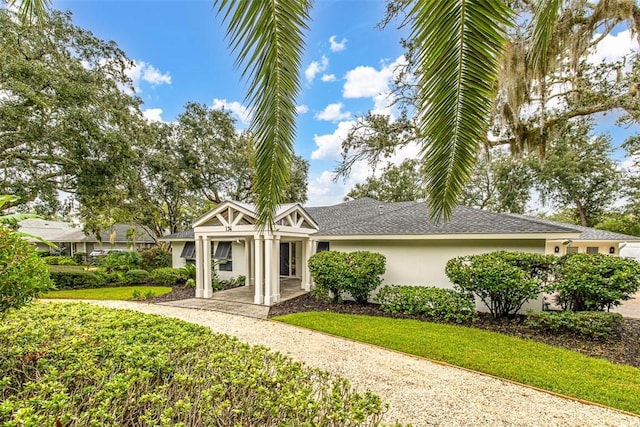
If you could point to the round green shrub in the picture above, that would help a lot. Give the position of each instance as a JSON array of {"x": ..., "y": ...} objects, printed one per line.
[
  {"x": 155, "y": 258},
  {"x": 502, "y": 280},
  {"x": 168, "y": 276},
  {"x": 436, "y": 303},
  {"x": 357, "y": 273},
  {"x": 136, "y": 277},
  {"x": 594, "y": 282},
  {"x": 76, "y": 364},
  {"x": 23, "y": 274}
]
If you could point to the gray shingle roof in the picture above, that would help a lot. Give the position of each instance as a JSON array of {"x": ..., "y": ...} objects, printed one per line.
[
  {"x": 370, "y": 217},
  {"x": 586, "y": 233},
  {"x": 181, "y": 235}
]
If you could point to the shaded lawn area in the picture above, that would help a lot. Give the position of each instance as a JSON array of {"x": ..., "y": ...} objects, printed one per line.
[
  {"x": 117, "y": 293},
  {"x": 524, "y": 361}
]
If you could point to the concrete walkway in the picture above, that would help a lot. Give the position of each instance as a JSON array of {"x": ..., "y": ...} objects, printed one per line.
[
  {"x": 239, "y": 300},
  {"x": 419, "y": 392}
]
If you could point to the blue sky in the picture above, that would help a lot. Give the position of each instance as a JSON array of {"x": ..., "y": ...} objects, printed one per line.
[{"x": 181, "y": 55}]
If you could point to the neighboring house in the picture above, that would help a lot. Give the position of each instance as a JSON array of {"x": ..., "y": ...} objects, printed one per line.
[
  {"x": 70, "y": 240},
  {"x": 415, "y": 248}
]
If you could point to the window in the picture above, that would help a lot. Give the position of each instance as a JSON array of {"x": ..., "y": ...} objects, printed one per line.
[
  {"x": 322, "y": 246},
  {"x": 189, "y": 250},
  {"x": 223, "y": 251},
  {"x": 572, "y": 250},
  {"x": 224, "y": 255},
  {"x": 592, "y": 249}
]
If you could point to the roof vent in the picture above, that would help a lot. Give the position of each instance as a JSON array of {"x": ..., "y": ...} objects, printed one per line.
[{"x": 380, "y": 209}]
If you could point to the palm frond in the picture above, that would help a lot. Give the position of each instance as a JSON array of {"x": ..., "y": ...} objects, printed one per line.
[
  {"x": 459, "y": 45},
  {"x": 545, "y": 19},
  {"x": 267, "y": 38},
  {"x": 30, "y": 10}
]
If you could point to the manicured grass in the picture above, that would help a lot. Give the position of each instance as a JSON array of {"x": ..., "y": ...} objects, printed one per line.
[
  {"x": 119, "y": 293},
  {"x": 528, "y": 362}
]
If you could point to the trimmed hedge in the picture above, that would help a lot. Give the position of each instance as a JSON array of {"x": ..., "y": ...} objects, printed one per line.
[
  {"x": 168, "y": 276},
  {"x": 77, "y": 279},
  {"x": 59, "y": 260},
  {"x": 590, "y": 324},
  {"x": 136, "y": 277},
  {"x": 77, "y": 364},
  {"x": 437, "y": 303}
]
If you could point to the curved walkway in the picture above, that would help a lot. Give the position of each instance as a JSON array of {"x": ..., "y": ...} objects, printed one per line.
[{"x": 418, "y": 391}]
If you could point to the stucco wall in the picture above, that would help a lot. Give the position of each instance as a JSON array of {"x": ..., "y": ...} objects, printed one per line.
[
  {"x": 423, "y": 262},
  {"x": 176, "y": 250},
  {"x": 239, "y": 263}
]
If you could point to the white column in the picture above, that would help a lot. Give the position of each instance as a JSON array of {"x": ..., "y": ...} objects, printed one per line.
[
  {"x": 275, "y": 289},
  {"x": 247, "y": 260},
  {"x": 268, "y": 267},
  {"x": 302, "y": 264},
  {"x": 208, "y": 291},
  {"x": 310, "y": 251},
  {"x": 199, "y": 268},
  {"x": 258, "y": 270}
]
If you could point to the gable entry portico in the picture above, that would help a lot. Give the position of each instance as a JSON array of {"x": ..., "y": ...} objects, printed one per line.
[{"x": 263, "y": 258}]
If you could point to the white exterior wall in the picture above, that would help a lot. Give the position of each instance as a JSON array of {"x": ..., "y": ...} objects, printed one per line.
[
  {"x": 176, "y": 250},
  {"x": 422, "y": 262},
  {"x": 239, "y": 264}
]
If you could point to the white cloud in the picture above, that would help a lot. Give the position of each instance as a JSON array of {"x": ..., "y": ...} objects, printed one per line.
[
  {"x": 315, "y": 68},
  {"x": 367, "y": 82},
  {"x": 144, "y": 72},
  {"x": 328, "y": 78},
  {"x": 337, "y": 46},
  {"x": 153, "y": 114},
  {"x": 302, "y": 109},
  {"x": 330, "y": 145},
  {"x": 613, "y": 48},
  {"x": 241, "y": 112},
  {"x": 333, "y": 113}
]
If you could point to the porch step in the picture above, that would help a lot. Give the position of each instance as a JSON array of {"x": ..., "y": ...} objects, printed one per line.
[{"x": 230, "y": 307}]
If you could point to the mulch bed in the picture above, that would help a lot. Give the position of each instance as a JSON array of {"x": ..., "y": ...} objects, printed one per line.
[{"x": 625, "y": 350}]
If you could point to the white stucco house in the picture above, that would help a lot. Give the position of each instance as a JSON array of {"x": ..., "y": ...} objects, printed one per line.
[{"x": 227, "y": 239}]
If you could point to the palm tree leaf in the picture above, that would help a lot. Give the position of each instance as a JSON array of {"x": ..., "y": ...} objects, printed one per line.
[
  {"x": 267, "y": 38},
  {"x": 30, "y": 9},
  {"x": 545, "y": 19},
  {"x": 459, "y": 46}
]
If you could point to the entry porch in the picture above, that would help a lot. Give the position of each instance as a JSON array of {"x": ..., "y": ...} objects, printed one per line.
[{"x": 228, "y": 241}]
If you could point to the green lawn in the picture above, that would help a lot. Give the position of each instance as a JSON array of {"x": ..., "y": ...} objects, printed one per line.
[
  {"x": 119, "y": 293},
  {"x": 64, "y": 268},
  {"x": 528, "y": 362}
]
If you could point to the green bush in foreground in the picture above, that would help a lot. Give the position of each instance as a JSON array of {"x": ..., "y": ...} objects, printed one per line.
[
  {"x": 23, "y": 274},
  {"x": 136, "y": 277},
  {"x": 436, "y": 303},
  {"x": 591, "y": 324},
  {"x": 78, "y": 365}
]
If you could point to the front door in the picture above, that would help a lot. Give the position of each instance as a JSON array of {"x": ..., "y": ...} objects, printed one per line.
[{"x": 284, "y": 259}]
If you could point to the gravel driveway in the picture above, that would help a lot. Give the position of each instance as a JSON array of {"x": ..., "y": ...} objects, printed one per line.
[{"x": 418, "y": 392}]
